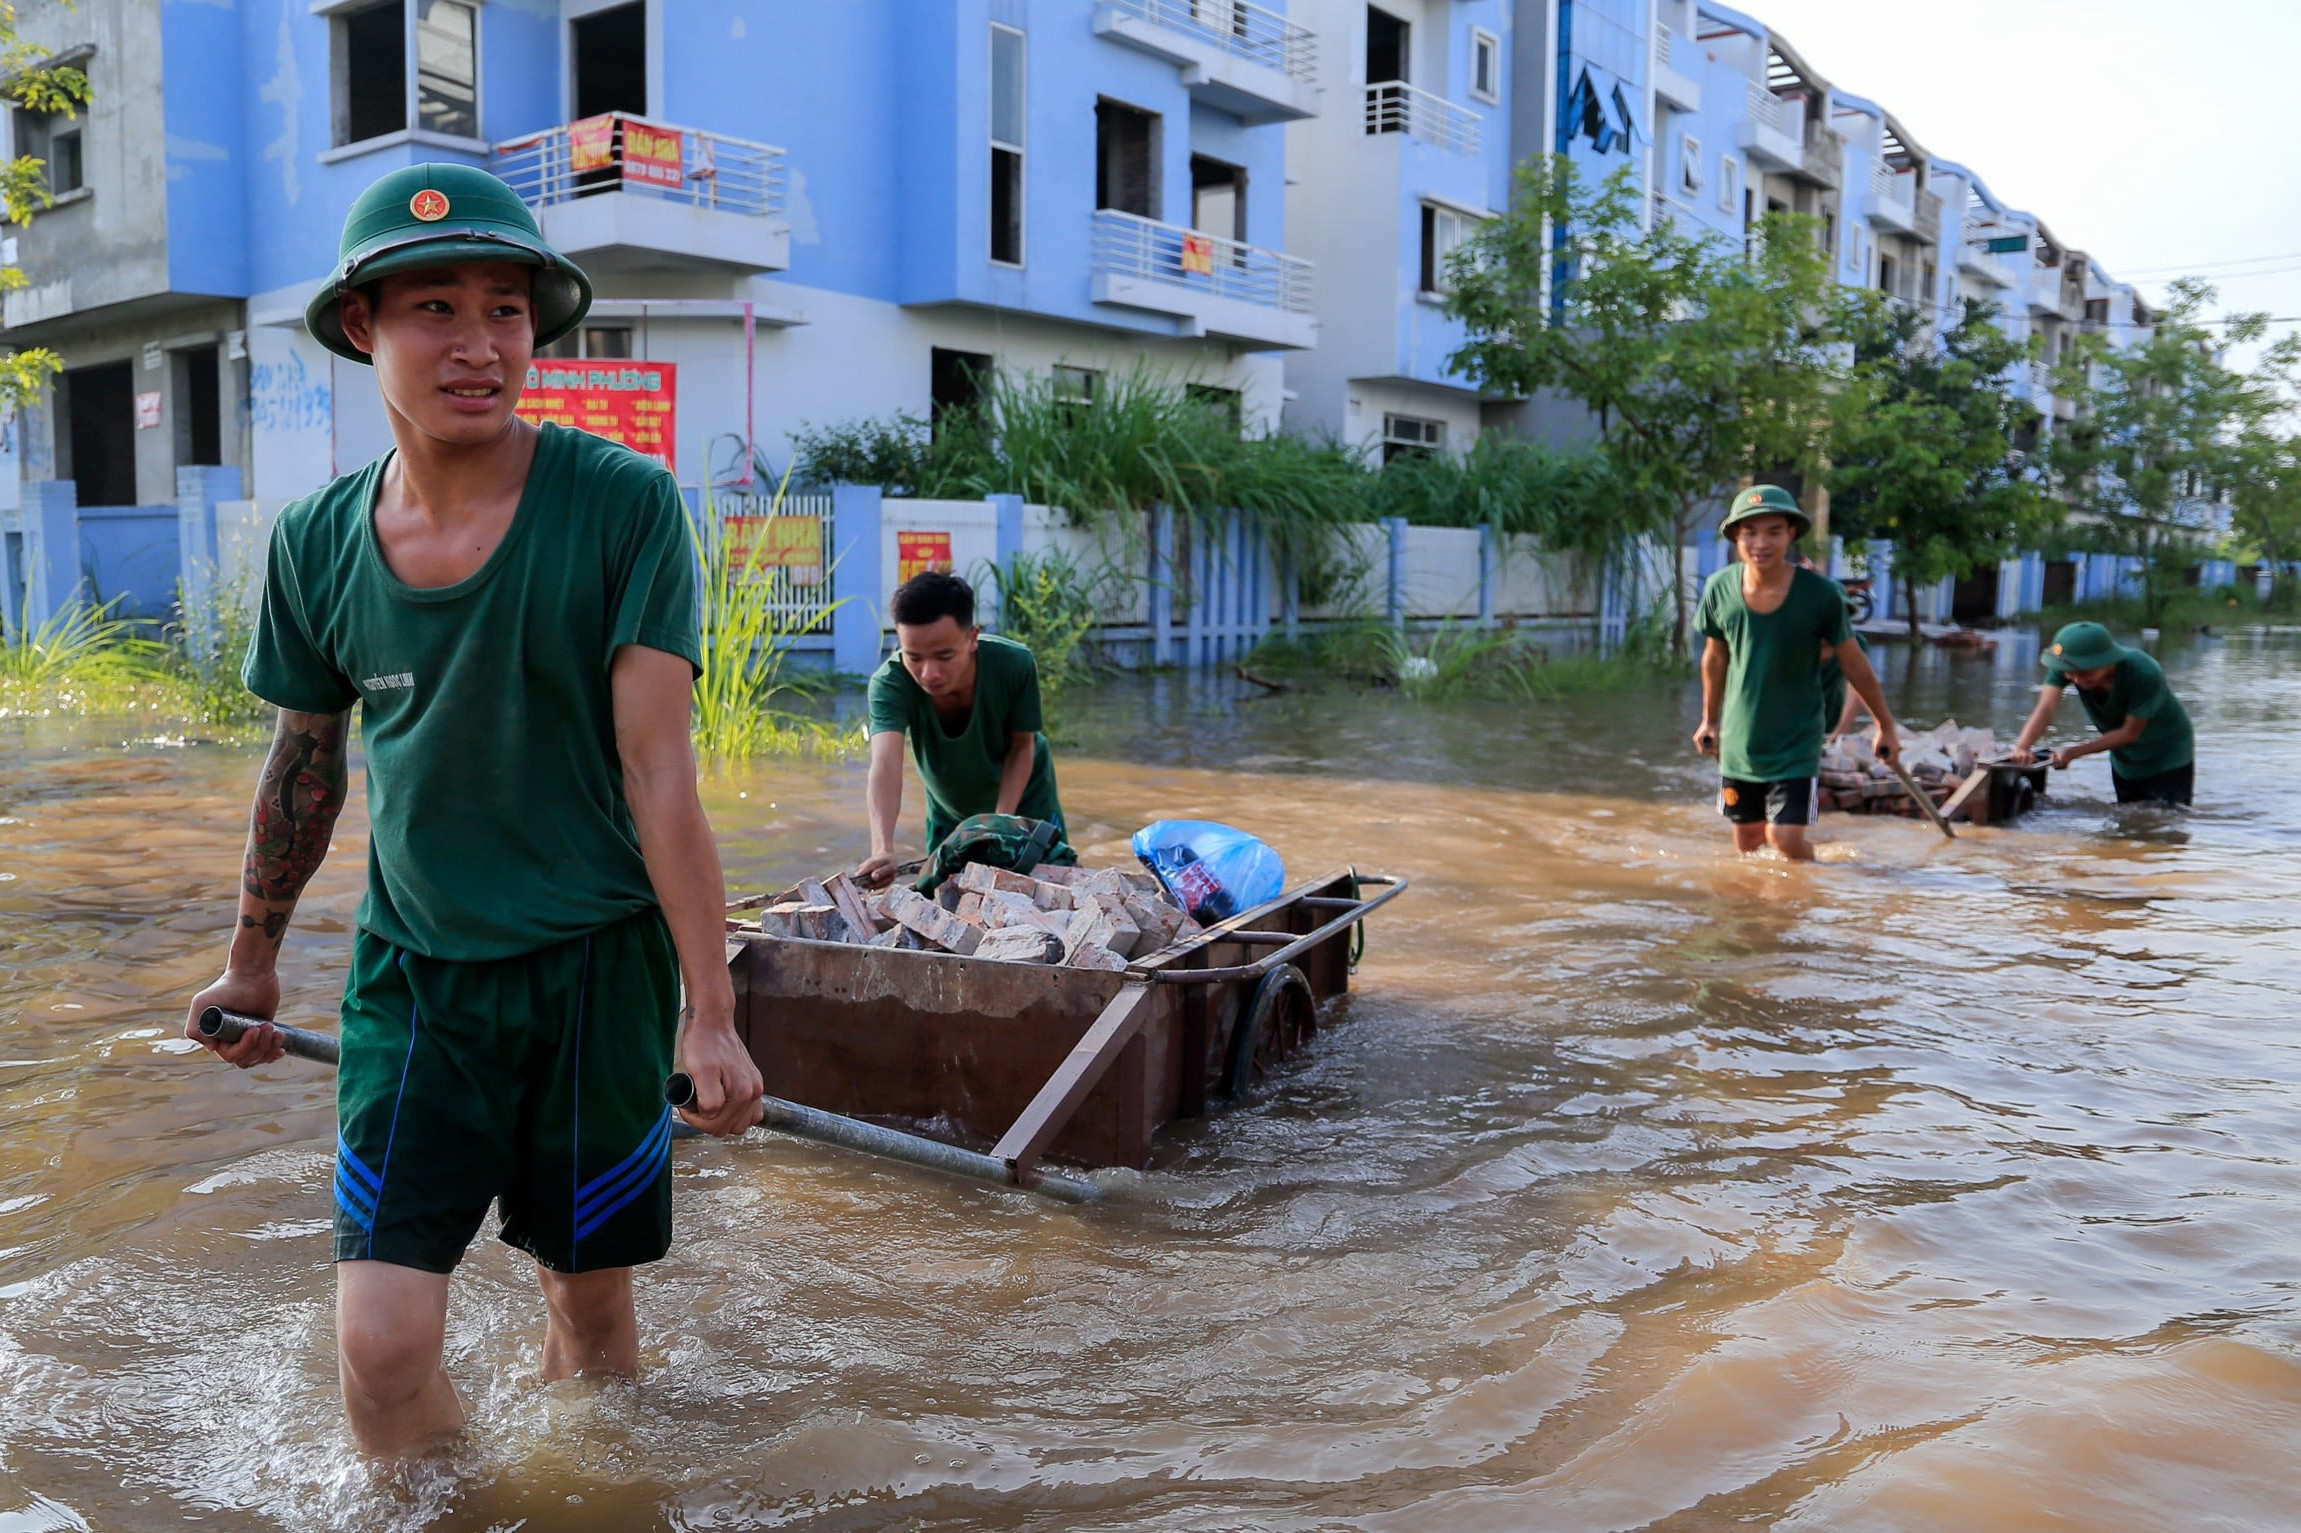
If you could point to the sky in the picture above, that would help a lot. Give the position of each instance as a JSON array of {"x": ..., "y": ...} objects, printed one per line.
[{"x": 2160, "y": 138}]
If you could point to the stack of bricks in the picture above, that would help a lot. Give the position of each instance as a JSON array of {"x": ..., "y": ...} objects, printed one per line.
[
  {"x": 1099, "y": 919},
  {"x": 1854, "y": 781}
]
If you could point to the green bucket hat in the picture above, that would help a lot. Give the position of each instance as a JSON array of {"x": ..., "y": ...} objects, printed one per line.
[
  {"x": 2083, "y": 647},
  {"x": 1765, "y": 500},
  {"x": 445, "y": 215}
]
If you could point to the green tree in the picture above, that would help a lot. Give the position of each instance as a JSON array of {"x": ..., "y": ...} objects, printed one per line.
[
  {"x": 1922, "y": 448},
  {"x": 2265, "y": 507},
  {"x": 2160, "y": 434},
  {"x": 51, "y": 91},
  {"x": 1699, "y": 361}
]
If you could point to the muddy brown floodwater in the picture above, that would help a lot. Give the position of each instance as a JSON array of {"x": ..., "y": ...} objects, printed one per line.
[{"x": 1934, "y": 1186}]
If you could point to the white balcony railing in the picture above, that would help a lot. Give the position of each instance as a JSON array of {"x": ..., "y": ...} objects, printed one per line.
[
  {"x": 1128, "y": 246},
  {"x": 1769, "y": 111},
  {"x": 1896, "y": 190},
  {"x": 1393, "y": 106},
  {"x": 1237, "y": 27},
  {"x": 633, "y": 154}
]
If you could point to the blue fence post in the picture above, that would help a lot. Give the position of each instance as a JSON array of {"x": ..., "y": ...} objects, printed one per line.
[
  {"x": 1008, "y": 512},
  {"x": 52, "y": 578},
  {"x": 1194, "y": 623},
  {"x": 1395, "y": 609},
  {"x": 1161, "y": 584},
  {"x": 1289, "y": 596},
  {"x": 857, "y": 580},
  {"x": 198, "y": 488},
  {"x": 1489, "y": 572}
]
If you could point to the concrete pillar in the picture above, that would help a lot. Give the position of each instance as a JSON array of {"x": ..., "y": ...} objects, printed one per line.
[
  {"x": 1395, "y": 605},
  {"x": 1008, "y": 512},
  {"x": 1489, "y": 572},
  {"x": 1161, "y": 584},
  {"x": 198, "y": 489},
  {"x": 857, "y": 579},
  {"x": 52, "y": 578}
]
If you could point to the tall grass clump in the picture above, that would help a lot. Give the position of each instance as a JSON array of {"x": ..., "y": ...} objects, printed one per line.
[
  {"x": 84, "y": 659},
  {"x": 746, "y": 641},
  {"x": 1520, "y": 486},
  {"x": 1053, "y": 603},
  {"x": 210, "y": 637}
]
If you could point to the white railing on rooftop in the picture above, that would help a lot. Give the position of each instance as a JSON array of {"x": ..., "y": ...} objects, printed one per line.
[
  {"x": 1393, "y": 106},
  {"x": 1896, "y": 187},
  {"x": 1128, "y": 246},
  {"x": 731, "y": 175},
  {"x": 1238, "y": 27},
  {"x": 1770, "y": 111}
]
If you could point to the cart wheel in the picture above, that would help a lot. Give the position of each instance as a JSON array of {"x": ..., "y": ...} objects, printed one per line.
[
  {"x": 2024, "y": 797},
  {"x": 1279, "y": 1018}
]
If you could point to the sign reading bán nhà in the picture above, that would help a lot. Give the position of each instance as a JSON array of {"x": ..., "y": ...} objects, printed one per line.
[
  {"x": 635, "y": 403},
  {"x": 918, "y": 552}
]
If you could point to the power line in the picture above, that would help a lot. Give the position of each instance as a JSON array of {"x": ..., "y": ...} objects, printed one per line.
[{"x": 2186, "y": 268}]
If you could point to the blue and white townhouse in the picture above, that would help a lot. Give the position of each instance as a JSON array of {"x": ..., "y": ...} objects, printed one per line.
[
  {"x": 817, "y": 212},
  {"x": 1412, "y": 152}
]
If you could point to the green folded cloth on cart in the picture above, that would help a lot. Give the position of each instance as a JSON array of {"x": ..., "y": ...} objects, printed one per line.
[{"x": 1003, "y": 841}]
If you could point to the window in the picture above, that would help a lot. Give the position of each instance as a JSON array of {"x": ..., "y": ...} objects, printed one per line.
[
  {"x": 1689, "y": 164},
  {"x": 1886, "y": 275},
  {"x": 1389, "y": 46},
  {"x": 592, "y": 342},
  {"x": 1126, "y": 159},
  {"x": 1228, "y": 403},
  {"x": 198, "y": 410},
  {"x": 955, "y": 382},
  {"x": 97, "y": 445},
  {"x": 1218, "y": 198},
  {"x": 1406, "y": 433},
  {"x": 1007, "y": 127},
  {"x": 1443, "y": 230},
  {"x": 1829, "y": 231},
  {"x": 406, "y": 64},
  {"x": 1074, "y": 390},
  {"x": 1729, "y": 183},
  {"x": 1485, "y": 65},
  {"x": 56, "y": 141}
]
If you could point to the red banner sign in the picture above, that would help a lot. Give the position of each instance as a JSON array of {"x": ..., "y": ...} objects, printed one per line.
[
  {"x": 918, "y": 552},
  {"x": 654, "y": 156},
  {"x": 759, "y": 545},
  {"x": 635, "y": 403},
  {"x": 591, "y": 143},
  {"x": 1198, "y": 254}
]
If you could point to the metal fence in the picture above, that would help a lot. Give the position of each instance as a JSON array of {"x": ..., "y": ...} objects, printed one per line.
[
  {"x": 1141, "y": 247},
  {"x": 1394, "y": 106},
  {"x": 799, "y": 588},
  {"x": 1237, "y": 27},
  {"x": 635, "y": 154}
]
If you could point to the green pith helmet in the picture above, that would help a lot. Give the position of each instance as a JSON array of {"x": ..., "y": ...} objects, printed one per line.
[
  {"x": 1765, "y": 500},
  {"x": 2083, "y": 647},
  {"x": 445, "y": 215}
]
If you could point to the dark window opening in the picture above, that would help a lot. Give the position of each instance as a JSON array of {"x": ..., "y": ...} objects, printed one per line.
[
  {"x": 199, "y": 406},
  {"x": 1126, "y": 159},
  {"x": 1228, "y": 403},
  {"x": 67, "y": 172},
  {"x": 100, "y": 433},
  {"x": 1009, "y": 124},
  {"x": 1075, "y": 390},
  {"x": 371, "y": 72},
  {"x": 1388, "y": 44},
  {"x": 1403, "y": 434},
  {"x": 955, "y": 381},
  {"x": 447, "y": 67},
  {"x": 1007, "y": 207},
  {"x": 611, "y": 61},
  {"x": 1886, "y": 274},
  {"x": 1974, "y": 598},
  {"x": 2060, "y": 583}
]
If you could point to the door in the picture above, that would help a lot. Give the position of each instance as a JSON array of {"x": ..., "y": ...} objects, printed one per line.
[
  {"x": 1387, "y": 46},
  {"x": 1126, "y": 159},
  {"x": 100, "y": 433},
  {"x": 610, "y": 53}
]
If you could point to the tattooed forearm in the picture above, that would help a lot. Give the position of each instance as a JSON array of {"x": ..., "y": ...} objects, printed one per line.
[
  {"x": 273, "y": 924},
  {"x": 297, "y": 802}
]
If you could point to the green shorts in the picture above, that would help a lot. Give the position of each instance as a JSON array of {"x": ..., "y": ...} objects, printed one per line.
[{"x": 535, "y": 1082}]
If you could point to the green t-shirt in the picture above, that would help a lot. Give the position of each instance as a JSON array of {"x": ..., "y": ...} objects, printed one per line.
[
  {"x": 961, "y": 771},
  {"x": 2137, "y": 689},
  {"x": 495, "y": 795},
  {"x": 1770, "y": 723}
]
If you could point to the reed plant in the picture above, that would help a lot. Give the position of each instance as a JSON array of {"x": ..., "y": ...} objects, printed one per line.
[
  {"x": 83, "y": 659},
  {"x": 206, "y": 643},
  {"x": 746, "y": 635},
  {"x": 1053, "y": 603}
]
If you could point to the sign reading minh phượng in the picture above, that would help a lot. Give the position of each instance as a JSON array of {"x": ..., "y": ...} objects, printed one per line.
[{"x": 635, "y": 403}]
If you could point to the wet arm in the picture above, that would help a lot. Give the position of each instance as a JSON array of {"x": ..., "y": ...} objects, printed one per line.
[
  {"x": 2108, "y": 740},
  {"x": 652, "y": 691},
  {"x": 1862, "y": 682},
  {"x": 290, "y": 824},
  {"x": 1715, "y": 661},
  {"x": 1015, "y": 772},
  {"x": 2040, "y": 719},
  {"x": 883, "y": 806}
]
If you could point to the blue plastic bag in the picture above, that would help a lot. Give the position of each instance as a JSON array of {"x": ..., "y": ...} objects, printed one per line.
[{"x": 1213, "y": 871}]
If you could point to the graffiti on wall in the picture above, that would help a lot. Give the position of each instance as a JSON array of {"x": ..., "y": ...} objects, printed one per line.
[{"x": 286, "y": 395}]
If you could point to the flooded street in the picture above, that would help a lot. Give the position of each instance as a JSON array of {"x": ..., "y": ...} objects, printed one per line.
[{"x": 1634, "y": 1186}]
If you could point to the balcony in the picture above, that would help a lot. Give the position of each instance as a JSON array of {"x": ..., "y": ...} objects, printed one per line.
[
  {"x": 1393, "y": 106},
  {"x": 1211, "y": 286},
  {"x": 1929, "y": 218},
  {"x": 624, "y": 194},
  {"x": 1676, "y": 87},
  {"x": 1986, "y": 265},
  {"x": 1825, "y": 156},
  {"x": 1774, "y": 132},
  {"x": 1893, "y": 199},
  {"x": 1234, "y": 55}
]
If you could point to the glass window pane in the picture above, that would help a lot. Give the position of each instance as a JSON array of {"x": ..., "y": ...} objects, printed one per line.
[
  {"x": 446, "y": 68},
  {"x": 1007, "y": 87}
]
